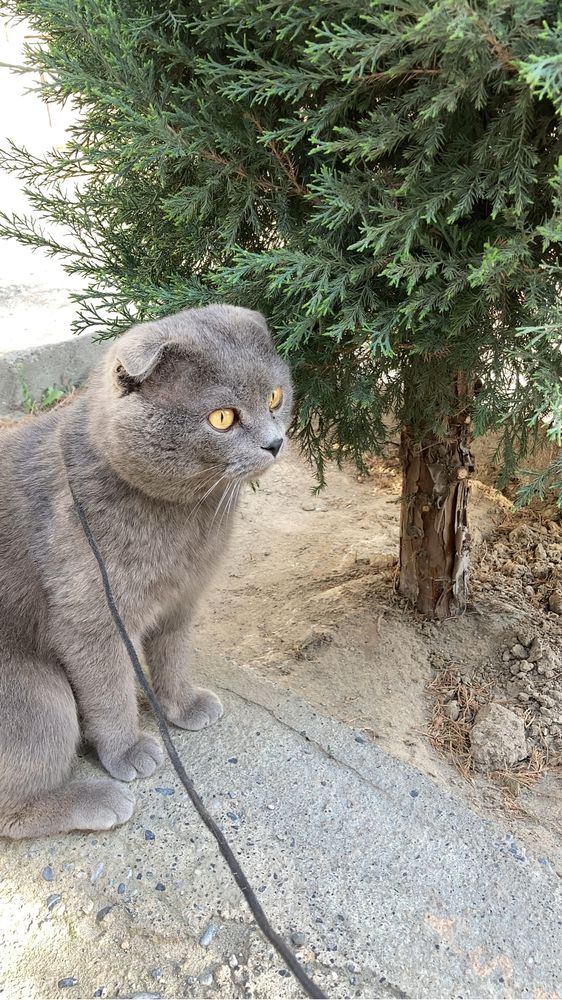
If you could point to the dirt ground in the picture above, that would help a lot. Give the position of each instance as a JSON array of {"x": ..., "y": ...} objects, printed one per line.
[{"x": 305, "y": 597}]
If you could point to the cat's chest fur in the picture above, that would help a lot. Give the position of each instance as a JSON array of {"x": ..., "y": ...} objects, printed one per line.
[{"x": 161, "y": 557}]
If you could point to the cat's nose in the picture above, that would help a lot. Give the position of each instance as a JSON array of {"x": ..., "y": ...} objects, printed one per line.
[{"x": 273, "y": 446}]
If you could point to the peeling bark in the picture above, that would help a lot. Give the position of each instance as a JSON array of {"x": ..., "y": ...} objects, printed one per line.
[{"x": 434, "y": 535}]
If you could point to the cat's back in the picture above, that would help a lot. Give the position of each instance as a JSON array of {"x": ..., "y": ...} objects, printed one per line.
[
  {"x": 30, "y": 461},
  {"x": 30, "y": 472}
]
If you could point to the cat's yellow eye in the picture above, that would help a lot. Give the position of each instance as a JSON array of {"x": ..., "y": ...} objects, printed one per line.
[
  {"x": 276, "y": 398},
  {"x": 221, "y": 420}
]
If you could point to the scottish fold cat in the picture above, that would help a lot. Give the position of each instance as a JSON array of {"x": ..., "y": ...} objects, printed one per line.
[{"x": 179, "y": 415}]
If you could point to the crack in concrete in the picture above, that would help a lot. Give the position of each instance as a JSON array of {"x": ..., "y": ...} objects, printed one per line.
[{"x": 328, "y": 755}]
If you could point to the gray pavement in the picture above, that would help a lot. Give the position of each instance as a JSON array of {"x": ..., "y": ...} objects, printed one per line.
[{"x": 391, "y": 887}]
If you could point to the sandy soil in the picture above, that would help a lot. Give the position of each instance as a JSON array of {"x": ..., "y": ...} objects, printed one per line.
[{"x": 306, "y": 598}]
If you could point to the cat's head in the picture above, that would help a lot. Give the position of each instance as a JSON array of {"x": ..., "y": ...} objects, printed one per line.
[{"x": 201, "y": 392}]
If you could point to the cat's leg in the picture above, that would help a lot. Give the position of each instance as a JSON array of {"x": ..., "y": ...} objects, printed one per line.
[
  {"x": 39, "y": 734},
  {"x": 166, "y": 652},
  {"x": 104, "y": 684}
]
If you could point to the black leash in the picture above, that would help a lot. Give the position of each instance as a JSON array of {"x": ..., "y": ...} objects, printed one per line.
[{"x": 267, "y": 930}]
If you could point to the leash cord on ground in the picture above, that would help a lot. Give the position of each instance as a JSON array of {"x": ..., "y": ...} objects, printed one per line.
[{"x": 310, "y": 988}]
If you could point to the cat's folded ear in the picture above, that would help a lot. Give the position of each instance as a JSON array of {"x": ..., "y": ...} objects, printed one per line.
[
  {"x": 258, "y": 319},
  {"x": 137, "y": 357},
  {"x": 257, "y": 324},
  {"x": 235, "y": 322}
]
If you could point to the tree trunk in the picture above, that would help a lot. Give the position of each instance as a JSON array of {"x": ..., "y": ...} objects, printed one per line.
[{"x": 434, "y": 535}]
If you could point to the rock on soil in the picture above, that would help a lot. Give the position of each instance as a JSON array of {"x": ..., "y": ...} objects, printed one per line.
[
  {"x": 497, "y": 738},
  {"x": 521, "y": 568},
  {"x": 555, "y": 602}
]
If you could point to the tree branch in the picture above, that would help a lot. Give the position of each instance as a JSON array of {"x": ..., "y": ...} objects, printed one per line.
[
  {"x": 502, "y": 54},
  {"x": 238, "y": 171},
  {"x": 297, "y": 189}
]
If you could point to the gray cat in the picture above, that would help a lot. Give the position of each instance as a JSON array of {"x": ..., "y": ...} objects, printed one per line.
[{"x": 179, "y": 415}]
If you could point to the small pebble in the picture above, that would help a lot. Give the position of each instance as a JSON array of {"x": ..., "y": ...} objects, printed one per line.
[
  {"x": 64, "y": 984},
  {"x": 121, "y": 888},
  {"x": 232, "y": 816},
  {"x": 125, "y": 945},
  {"x": 48, "y": 874},
  {"x": 414, "y": 793},
  {"x": 233, "y": 962},
  {"x": 165, "y": 791},
  {"x": 97, "y": 872},
  {"x": 53, "y": 900},
  {"x": 555, "y": 602},
  {"x": 359, "y": 739},
  {"x": 156, "y": 973},
  {"x": 206, "y": 979},
  {"x": 159, "y": 887},
  {"x": 102, "y": 914},
  {"x": 536, "y": 650},
  {"x": 148, "y": 835},
  {"x": 88, "y": 906},
  {"x": 231, "y": 760},
  {"x": 298, "y": 939},
  {"x": 452, "y": 710},
  {"x": 100, "y": 992},
  {"x": 519, "y": 651},
  {"x": 207, "y": 936}
]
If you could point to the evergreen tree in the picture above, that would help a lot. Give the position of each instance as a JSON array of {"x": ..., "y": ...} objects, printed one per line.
[{"x": 382, "y": 180}]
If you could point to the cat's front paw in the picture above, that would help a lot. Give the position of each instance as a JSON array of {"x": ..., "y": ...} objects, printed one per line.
[
  {"x": 138, "y": 761},
  {"x": 202, "y": 710}
]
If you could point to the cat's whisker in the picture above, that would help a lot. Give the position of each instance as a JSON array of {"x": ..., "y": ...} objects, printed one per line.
[
  {"x": 197, "y": 487},
  {"x": 232, "y": 502},
  {"x": 228, "y": 506},
  {"x": 234, "y": 498},
  {"x": 204, "y": 474},
  {"x": 231, "y": 494},
  {"x": 205, "y": 495},
  {"x": 219, "y": 505}
]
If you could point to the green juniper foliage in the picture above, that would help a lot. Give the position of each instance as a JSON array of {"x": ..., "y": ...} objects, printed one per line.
[{"x": 383, "y": 180}]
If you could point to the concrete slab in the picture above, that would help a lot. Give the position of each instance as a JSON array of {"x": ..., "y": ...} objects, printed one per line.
[
  {"x": 389, "y": 887},
  {"x": 63, "y": 365}
]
